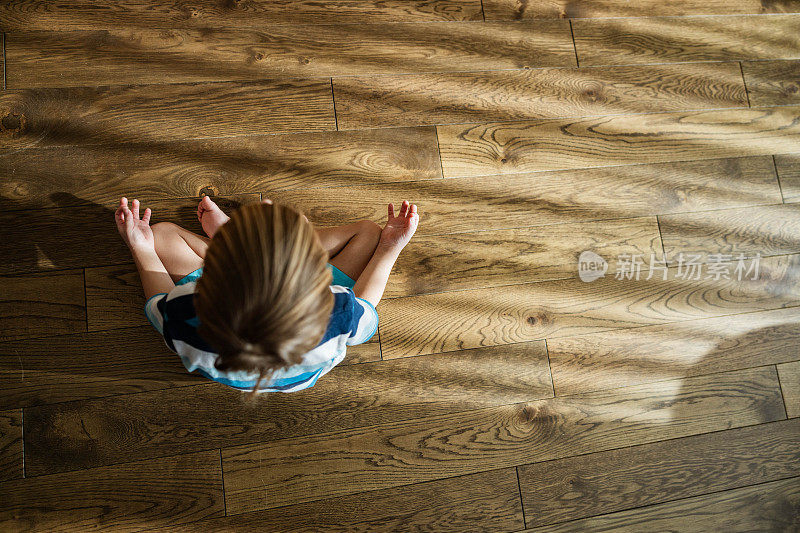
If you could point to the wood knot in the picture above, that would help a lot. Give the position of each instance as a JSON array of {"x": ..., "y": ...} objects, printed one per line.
[
  {"x": 593, "y": 95},
  {"x": 259, "y": 56},
  {"x": 537, "y": 319},
  {"x": 209, "y": 190},
  {"x": 13, "y": 123}
]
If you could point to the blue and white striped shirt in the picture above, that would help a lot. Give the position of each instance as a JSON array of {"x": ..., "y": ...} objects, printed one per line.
[{"x": 353, "y": 321}]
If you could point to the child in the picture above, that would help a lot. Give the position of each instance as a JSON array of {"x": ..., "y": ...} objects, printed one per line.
[{"x": 266, "y": 302}]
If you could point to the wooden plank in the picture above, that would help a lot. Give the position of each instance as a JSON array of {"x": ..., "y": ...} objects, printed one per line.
[
  {"x": 11, "y": 465},
  {"x": 772, "y": 82},
  {"x": 625, "y": 357},
  {"x": 40, "y": 304},
  {"x": 765, "y": 230},
  {"x": 148, "y": 113},
  {"x": 516, "y": 10},
  {"x": 144, "y": 55},
  {"x": 484, "y": 502},
  {"x": 502, "y": 148},
  {"x": 482, "y": 259},
  {"x": 86, "y": 235},
  {"x": 446, "y": 98},
  {"x": 434, "y": 323},
  {"x": 87, "y": 433},
  {"x": 789, "y": 374},
  {"x": 89, "y": 15},
  {"x": 606, "y": 482},
  {"x": 788, "y": 167},
  {"x": 80, "y": 175},
  {"x": 268, "y": 475},
  {"x": 87, "y": 365},
  {"x": 768, "y": 507},
  {"x": 535, "y": 199},
  {"x": 678, "y": 39},
  {"x": 129, "y": 497},
  {"x": 114, "y": 299}
]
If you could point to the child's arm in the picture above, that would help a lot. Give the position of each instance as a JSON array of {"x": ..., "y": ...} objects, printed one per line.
[
  {"x": 395, "y": 235},
  {"x": 138, "y": 236}
]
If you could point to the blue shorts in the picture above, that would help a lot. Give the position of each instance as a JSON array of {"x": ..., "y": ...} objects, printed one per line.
[{"x": 339, "y": 277}]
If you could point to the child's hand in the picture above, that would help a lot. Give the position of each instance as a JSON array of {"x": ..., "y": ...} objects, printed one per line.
[
  {"x": 135, "y": 232},
  {"x": 399, "y": 229}
]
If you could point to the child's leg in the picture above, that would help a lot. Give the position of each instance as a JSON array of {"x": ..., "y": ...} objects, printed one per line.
[
  {"x": 350, "y": 247},
  {"x": 180, "y": 250}
]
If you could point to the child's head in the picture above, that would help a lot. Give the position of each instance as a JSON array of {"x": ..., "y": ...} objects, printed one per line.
[{"x": 264, "y": 298}]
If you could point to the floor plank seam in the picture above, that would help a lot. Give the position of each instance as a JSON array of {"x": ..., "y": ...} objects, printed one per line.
[
  {"x": 22, "y": 439},
  {"x": 778, "y": 178},
  {"x": 521, "y": 501},
  {"x": 661, "y": 240},
  {"x": 439, "y": 153},
  {"x": 380, "y": 344},
  {"x": 5, "y": 85},
  {"x": 744, "y": 84},
  {"x": 574, "y": 45},
  {"x": 222, "y": 478},
  {"x": 483, "y": 11},
  {"x": 720, "y": 491},
  {"x": 550, "y": 369},
  {"x": 783, "y": 396},
  {"x": 333, "y": 103},
  {"x": 85, "y": 302}
]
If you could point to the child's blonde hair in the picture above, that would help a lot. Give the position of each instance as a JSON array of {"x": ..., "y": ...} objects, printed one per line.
[{"x": 264, "y": 298}]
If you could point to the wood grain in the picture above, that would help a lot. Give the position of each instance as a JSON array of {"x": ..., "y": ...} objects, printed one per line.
[
  {"x": 625, "y": 357},
  {"x": 85, "y": 14},
  {"x": 498, "y": 148},
  {"x": 667, "y": 40},
  {"x": 606, "y": 482},
  {"x": 445, "y": 98},
  {"x": 88, "y": 365},
  {"x": 114, "y": 299},
  {"x": 95, "y": 432},
  {"x": 130, "y": 497},
  {"x": 86, "y": 235},
  {"x": 484, "y": 503},
  {"x": 788, "y": 167},
  {"x": 767, "y": 507},
  {"x": 548, "y": 9},
  {"x": 11, "y": 462},
  {"x": 268, "y": 475},
  {"x": 434, "y": 323},
  {"x": 489, "y": 258},
  {"x": 535, "y": 199},
  {"x": 722, "y": 234},
  {"x": 143, "y": 55},
  {"x": 789, "y": 374},
  {"x": 80, "y": 175},
  {"x": 147, "y": 113},
  {"x": 772, "y": 82},
  {"x": 40, "y": 304}
]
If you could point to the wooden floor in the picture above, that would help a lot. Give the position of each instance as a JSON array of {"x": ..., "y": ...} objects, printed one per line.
[{"x": 502, "y": 393}]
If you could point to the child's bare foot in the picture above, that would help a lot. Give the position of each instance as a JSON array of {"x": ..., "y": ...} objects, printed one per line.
[{"x": 210, "y": 216}]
